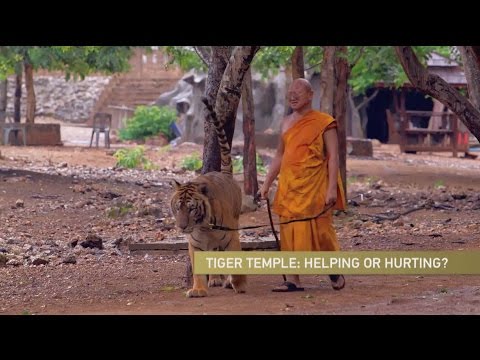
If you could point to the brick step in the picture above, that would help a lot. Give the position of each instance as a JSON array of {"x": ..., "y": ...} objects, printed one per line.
[
  {"x": 147, "y": 81},
  {"x": 132, "y": 99},
  {"x": 130, "y": 104},
  {"x": 140, "y": 88},
  {"x": 148, "y": 92},
  {"x": 140, "y": 94}
]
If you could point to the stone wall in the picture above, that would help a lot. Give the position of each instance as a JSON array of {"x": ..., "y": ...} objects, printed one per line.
[{"x": 71, "y": 101}]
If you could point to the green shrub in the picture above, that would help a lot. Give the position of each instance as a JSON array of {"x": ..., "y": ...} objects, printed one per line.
[
  {"x": 192, "y": 162},
  {"x": 438, "y": 184},
  {"x": 149, "y": 121},
  {"x": 238, "y": 165},
  {"x": 132, "y": 158}
]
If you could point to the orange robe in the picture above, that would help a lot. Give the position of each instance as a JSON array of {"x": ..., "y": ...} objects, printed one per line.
[{"x": 303, "y": 185}]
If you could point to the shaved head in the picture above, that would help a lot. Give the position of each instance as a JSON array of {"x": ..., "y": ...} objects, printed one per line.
[
  {"x": 304, "y": 83},
  {"x": 300, "y": 95}
]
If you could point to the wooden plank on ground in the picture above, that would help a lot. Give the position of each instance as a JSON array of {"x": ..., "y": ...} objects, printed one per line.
[{"x": 180, "y": 243}]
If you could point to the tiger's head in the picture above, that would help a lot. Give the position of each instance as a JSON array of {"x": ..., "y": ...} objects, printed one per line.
[{"x": 190, "y": 206}]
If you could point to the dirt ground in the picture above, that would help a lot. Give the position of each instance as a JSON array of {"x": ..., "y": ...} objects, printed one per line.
[{"x": 52, "y": 199}]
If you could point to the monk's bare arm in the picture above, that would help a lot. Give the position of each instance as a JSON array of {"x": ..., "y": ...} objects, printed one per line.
[
  {"x": 274, "y": 169},
  {"x": 331, "y": 143}
]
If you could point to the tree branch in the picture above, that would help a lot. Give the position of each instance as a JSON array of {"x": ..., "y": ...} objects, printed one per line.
[
  {"x": 438, "y": 88},
  {"x": 379, "y": 217},
  {"x": 472, "y": 73},
  {"x": 360, "y": 53},
  {"x": 311, "y": 67},
  {"x": 203, "y": 54},
  {"x": 367, "y": 100}
]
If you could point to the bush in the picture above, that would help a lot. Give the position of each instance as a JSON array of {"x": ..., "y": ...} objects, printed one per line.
[
  {"x": 149, "y": 121},
  {"x": 238, "y": 165},
  {"x": 132, "y": 158},
  {"x": 192, "y": 162}
]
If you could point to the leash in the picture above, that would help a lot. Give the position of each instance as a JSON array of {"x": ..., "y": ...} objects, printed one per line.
[
  {"x": 226, "y": 228},
  {"x": 274, "y": 232},
  {"x": 277, "y": 241},
  {"x": 286, "y": 222}
]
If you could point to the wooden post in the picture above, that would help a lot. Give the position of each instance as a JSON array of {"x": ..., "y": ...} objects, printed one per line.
[
  {"x": 405, "y": 121},
  {"x": 455, "y": 135}
]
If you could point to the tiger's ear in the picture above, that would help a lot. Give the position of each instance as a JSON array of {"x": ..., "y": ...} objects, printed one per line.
[
  {"x": 175, "y": 184},
  {"x": 203, "y": 189}
]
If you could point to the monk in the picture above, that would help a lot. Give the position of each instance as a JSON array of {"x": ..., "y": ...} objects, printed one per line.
[{"x": 307, "y": 161}]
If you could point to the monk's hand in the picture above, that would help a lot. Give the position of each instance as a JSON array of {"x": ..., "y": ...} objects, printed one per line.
[
  {"x": 331, "y": 198},
  {"x": 264, "y": 191}
]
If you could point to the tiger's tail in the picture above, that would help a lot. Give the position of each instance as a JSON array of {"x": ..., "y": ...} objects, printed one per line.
[{"x": 226, "y": 159}]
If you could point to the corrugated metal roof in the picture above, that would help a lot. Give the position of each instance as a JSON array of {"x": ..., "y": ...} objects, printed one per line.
[
  {"x": 454, "y": 76},
  {"x": 439, "y": 60}
]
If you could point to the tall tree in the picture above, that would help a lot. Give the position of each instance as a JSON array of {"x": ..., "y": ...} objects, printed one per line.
[
  {"x": 327, "y": 80},
  {"x": 230, "y": 89},
  {"x": 31, "y": 99},
  {"x": 250, "y": 181},
  {"x": 18, "y": 94},
  {"x": 298, "y": 64},
  {"x": 342, "y": 73},
  {"x": 435, "y": 86},
  {"x": 217, "y": 65},
  {"x": 3, "y": 99}
]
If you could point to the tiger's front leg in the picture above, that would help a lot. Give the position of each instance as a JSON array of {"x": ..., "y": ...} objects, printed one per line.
[
  {"x": 238, "y": 282},
  {"x": 199, "y": 281}
]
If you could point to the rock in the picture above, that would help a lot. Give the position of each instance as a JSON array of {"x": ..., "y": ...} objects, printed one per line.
[
  {"x": 39, "y": 261},
  {"x": 459, "y": 196},
  {"x": 359, "y": 147},
  {"x": 19, "y": 203},
  {"x": 118, "y": 241},
  {"x": 13, "y": 262},
  {"x": 92, "y": 241},
  {"x": 376, "y": 143},
  {"x": 79, "y": 188},
  {"x": 69, "y": 259},
  {"x": 248, "y": 204},
  {"x": 357, "y": 224}
]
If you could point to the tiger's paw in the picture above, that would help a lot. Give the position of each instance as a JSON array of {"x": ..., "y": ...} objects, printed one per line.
[
  {"x": 196, "y": 293},
  {"x": 239, "y": 289},
  {"x": 215, "y": 280},
  {"x": 239, "y": 283}
]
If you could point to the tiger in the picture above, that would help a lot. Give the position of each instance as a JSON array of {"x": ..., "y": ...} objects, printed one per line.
[{"x": 212, "y": 198}]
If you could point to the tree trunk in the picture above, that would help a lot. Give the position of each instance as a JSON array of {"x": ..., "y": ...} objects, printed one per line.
[
  {"x": 438, "y": 88},
  {"x": 211, "y": 149},
  {"x": 327, "y": 80},
  {"x": 472, "y": 73},
  {"x": 342, "y": 72},
  {"x": 17, "y": 114},
  {"x": 298, "y": 68},
  {"x": 31, "y": 100},
  {"x": 230, "y": 90},
  {"x": 356, "y": 130},
  {"x": 3, "y": 99},
  {"x": 288, "y": 82},
  {"x": 250, "y": 182}
]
